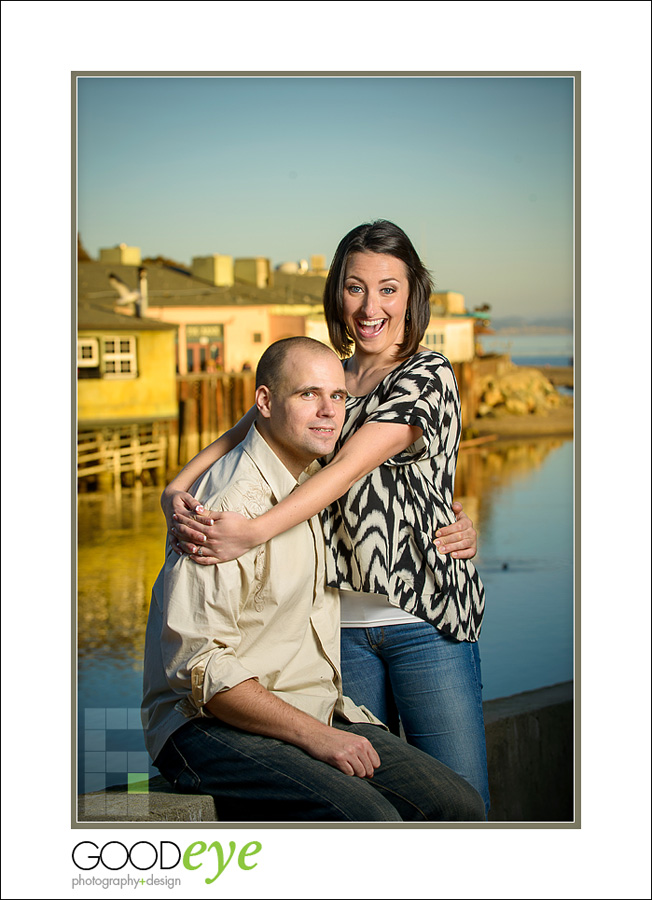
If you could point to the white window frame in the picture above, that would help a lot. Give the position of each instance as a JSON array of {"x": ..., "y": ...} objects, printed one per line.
[
  {"x": 92, "y": 361},
  {"x": 119, "y": 356}
]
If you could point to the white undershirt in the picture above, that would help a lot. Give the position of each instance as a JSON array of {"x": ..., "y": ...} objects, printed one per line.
[{"x": 359, "y": 610}]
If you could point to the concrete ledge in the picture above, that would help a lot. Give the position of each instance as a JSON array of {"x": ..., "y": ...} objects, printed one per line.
[
  {"x": 156, "y": 801},
  {"x": 530, "y": 743},
  {"x": 529, "y": 754}
]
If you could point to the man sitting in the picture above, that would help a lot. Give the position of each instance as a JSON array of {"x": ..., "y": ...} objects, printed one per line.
[{"x": 242, "y": 691}]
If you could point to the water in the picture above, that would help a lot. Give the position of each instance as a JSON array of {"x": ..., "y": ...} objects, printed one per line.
[
  {"x": 526, "y": 563},
  {"x": 532, "y": 349},
  {"x": 520, "y": 496}
]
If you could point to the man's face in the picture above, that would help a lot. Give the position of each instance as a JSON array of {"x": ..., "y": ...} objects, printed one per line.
[{"x": 304, "y": 416}]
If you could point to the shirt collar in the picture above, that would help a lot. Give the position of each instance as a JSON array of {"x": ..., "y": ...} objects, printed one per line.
[{"x": 281, "y": 481}]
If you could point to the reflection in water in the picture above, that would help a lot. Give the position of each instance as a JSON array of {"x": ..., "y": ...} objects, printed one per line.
[
  {"x": 121, "y": 550},
  {"x": 484, "y": 472},
  {"x": 519, "y": 494},
  {"x": 525, "y": 522},
  {"x": 479, "y": 469}
]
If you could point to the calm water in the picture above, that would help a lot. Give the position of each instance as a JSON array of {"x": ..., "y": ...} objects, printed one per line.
[
  {"x": 526, "y": 562},
  {"x": 532, "y": 349},
  {"x": 520, "y": 496}
]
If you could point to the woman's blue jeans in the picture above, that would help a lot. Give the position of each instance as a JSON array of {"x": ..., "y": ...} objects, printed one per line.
[{"x": 431, "y": 682}]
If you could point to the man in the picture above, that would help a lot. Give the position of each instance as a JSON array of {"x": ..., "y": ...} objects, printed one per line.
[{"x": 242, "y": 691}]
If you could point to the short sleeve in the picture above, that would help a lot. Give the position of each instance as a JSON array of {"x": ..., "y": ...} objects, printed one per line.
[{"x": 423, "y": 394}]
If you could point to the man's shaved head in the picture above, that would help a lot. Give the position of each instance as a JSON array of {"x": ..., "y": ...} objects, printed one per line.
[{"x": 271, "y": 367}]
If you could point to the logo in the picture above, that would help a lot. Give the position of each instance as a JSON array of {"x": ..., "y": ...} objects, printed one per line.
[{"x": 143, "y": 856}]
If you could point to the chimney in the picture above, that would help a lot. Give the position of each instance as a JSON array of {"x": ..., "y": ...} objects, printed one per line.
[{"x": 141, "y": 304}]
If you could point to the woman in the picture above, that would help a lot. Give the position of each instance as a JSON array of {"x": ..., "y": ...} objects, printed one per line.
[{"x": 411, "y": 612}]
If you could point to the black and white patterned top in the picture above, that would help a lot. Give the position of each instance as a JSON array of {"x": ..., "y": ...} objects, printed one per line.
[{"x": 380, "y": 534}]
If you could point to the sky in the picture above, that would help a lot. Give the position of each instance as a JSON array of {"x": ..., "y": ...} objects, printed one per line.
[{"x": 478, "y": 171}]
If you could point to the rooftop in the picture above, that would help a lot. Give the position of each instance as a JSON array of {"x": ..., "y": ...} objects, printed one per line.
[
  {"x": 92, "y": 316},
  {"x": 171, "y": 287}
]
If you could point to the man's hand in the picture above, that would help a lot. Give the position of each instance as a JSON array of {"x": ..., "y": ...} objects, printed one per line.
[
  {"x": 459, "y": 539},
  {"x": 251, "y": 707},
  {"x": 174, "y": 502},
  {"x": 348, "y": 752}
]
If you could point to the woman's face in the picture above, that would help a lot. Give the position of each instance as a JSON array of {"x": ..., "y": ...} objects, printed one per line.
[{"x": 376, "y": 294}]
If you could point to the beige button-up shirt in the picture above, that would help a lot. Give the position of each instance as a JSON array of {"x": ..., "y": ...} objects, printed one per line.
[{"x": 267, "y": 615}]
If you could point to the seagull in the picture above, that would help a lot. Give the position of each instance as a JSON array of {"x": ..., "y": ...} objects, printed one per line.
[{"x": 126, "y": 294}]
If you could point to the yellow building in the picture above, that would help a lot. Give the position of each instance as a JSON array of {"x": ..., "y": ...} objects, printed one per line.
[{"x": 125, "y": 368}]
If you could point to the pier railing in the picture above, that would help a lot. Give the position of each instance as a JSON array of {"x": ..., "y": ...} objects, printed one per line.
[{"x": 116, "y": 455}]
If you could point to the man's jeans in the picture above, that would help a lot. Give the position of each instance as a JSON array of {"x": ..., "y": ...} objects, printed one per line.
[
  {"x": 261, "y": 779},
  {"x": 432, "y": 682}
]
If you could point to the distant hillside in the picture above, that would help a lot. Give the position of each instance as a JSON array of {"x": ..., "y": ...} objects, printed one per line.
[{"x": 539, "y": 325}]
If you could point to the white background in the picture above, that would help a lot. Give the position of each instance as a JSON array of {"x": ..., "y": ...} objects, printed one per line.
[{"x": 609, "y": 44}]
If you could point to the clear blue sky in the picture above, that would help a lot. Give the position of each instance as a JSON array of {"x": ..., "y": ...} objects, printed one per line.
[{"x": 478, "y": 171}]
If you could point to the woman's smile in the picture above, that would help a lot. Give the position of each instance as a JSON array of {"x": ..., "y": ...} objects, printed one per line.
[{"x": 370, "y": 327}]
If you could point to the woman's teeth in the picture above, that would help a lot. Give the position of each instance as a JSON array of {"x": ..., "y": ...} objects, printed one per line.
[{"x": 370, "y": 326}]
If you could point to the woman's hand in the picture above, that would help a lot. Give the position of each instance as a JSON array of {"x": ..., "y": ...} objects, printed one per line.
[
  {"x": 213, "y": 537},
  {"x": 459, "y": 539}
]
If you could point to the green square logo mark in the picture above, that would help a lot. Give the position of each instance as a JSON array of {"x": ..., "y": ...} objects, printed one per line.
[{"x": 137, "y": 783}]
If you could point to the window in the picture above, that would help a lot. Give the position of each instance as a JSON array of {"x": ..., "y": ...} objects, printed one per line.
[
  {"x": 434, "y": 340},
  {"x": 258, "y": 338},
  {"x": 119, "y": 357},
  {"x": 88, "y": 352},
  {"x": 88, "y": 358}
]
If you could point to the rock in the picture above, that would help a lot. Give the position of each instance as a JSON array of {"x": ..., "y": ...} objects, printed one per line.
[
  {"x": 492, "y": 396},
  {"x": 526, "y": 397},
  {"x": 517, "y": 391},
  {"x": 516, "y": 407}
]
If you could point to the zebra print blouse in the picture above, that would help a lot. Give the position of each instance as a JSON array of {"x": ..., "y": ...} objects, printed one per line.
[{"x": 380, "y": 533}]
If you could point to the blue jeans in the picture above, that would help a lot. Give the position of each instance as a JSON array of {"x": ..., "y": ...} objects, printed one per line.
[
  {"x": 261, "y": 779},
  {"x": 431, "y": 682}
]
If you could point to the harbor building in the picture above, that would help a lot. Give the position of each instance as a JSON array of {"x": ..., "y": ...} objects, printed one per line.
[{"x": 161, "y": 342}]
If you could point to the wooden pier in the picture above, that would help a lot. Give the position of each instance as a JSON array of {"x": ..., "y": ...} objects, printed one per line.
[
  {"x": 210, "y": 404},
  {"x": 116, "y": 455}
]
